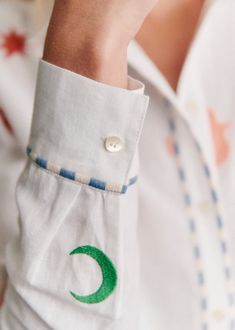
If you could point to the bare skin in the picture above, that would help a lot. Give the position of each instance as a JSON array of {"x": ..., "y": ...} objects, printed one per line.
[
  {"x": 91, "y": 37},
  {"x": 167, "y": 33}
]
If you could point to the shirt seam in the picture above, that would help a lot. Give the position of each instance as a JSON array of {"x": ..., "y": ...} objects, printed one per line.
[{"x": 77, "y": 178}]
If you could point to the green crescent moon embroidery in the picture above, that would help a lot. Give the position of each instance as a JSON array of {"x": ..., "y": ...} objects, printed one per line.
[{"x": 109, "y": 274}]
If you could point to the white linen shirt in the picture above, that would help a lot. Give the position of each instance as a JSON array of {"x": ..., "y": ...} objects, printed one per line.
[{"x": 131, "y": 232}]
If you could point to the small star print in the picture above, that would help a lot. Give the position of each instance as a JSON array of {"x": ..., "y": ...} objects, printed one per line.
[
  {"x": 13, "y": 43},
  {"x": 221, "y": 144}
]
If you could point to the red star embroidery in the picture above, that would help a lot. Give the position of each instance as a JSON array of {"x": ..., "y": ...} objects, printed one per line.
[
  {"x": 5, "y": 121},
  {"x": 221, "y": 144},
  {"x": 13, "y": 43}
]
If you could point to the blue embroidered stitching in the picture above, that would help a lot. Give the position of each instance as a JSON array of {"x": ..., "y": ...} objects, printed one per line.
[
  {"x": 220, "y": 224},
  {"x": 71, "y": 175},
  {"x": 192, "y": 223}
]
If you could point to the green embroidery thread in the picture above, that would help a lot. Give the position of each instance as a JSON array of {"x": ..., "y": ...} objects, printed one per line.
[{"x": 109, "y": 274}]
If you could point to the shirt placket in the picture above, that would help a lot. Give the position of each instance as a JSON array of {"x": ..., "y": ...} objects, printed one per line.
[{"x": 206, "y": 221}]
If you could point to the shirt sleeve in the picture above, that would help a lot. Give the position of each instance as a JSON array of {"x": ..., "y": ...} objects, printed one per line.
[
  {"x": 71, "y": 264},
  {"x": 75, "y": 117}
]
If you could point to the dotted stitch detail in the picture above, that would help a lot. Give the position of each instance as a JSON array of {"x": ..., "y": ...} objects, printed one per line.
[
  {"x": 220, "y": 224},
  {"x": 192, "y": 225},
  {"x": 71, "y": 175}
]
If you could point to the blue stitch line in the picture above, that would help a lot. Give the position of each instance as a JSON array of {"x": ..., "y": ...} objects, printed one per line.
[
  {"x": 224, "y": 247},
  {"x": 166, "y": 102},
  {"x": 176, "y": 148},
  {"x": 201, "y": 280},
  {"x": 192, "y": 225},
  {"x": 72, "y": 175},
  {"x": 207, "y": 170},
  {"x": 172, "y": 125},
  {"x": 227, "y": 273},
  {"x": 67, "y": 174},
  {"x": 124, "y": 189},
  {"x": 204, "y": 326},
  {"x": 204, "y": 303},
  {"x": 97, "y": 184},
  {"x": 219, "y": 221},
  {"x": 214, "y": 195},
  {"x": 187, "y": 199},
  {"x": 198, "y": 147},
  {"x": 41, "y": 162},
  {"x": 197, "y": 253},
  {"x": 181, "y": 174},
  {"x": 133, "y": 180}
]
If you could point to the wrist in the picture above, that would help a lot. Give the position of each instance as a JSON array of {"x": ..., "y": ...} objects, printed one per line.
[
  {"x": 95, "y": 61},
  {"x": 93, "y": 51}
]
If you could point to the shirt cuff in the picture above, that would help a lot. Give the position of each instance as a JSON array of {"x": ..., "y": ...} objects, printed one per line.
[{"x": 74, "y": 119}]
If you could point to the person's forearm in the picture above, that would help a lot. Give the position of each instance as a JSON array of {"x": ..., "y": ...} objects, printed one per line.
[
  {"x": 91, "y": 37},
  {"x": 73, "y": 45}
]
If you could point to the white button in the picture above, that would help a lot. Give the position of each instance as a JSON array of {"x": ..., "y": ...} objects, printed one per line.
[
  {"x": 218, "y": 315},
  {"x": 113, "y": 144}
]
